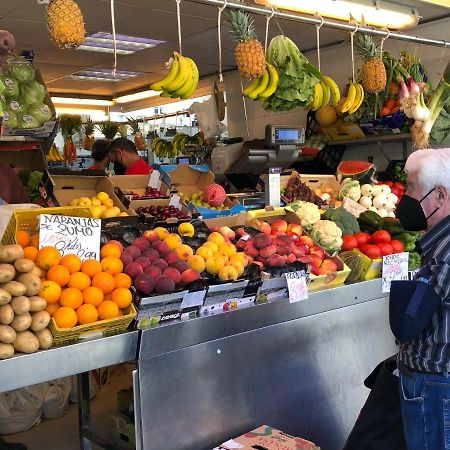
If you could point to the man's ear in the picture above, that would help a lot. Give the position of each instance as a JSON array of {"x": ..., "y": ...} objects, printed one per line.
[{"x": 443, "y": 194}]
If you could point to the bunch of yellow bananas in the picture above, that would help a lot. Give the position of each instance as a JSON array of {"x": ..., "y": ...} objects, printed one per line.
[
  {"x": 182, "y": 80},
  {"x": 54, "y": 154},
  {"x": 325, "y": 91},
  {"x": 354, "y": 99},
  {"x": 264, "y": 87}
]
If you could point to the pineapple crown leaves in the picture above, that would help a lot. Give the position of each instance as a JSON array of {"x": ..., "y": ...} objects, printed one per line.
[
  {"x": 108, "y": 128},
  {"x": 89, "y": 127},
  {"x": 242, "y": 25},
  {"x": 134, "y": 124}
]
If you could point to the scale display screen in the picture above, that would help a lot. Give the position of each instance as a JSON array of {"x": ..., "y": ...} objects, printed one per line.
[{"x": 284, "y": 135}]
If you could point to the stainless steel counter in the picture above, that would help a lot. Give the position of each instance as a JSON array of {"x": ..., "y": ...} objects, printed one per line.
[{"x": 299, "y": 367}]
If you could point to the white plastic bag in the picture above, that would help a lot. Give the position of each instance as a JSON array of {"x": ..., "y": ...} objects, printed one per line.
[
  {"x": 21, "y": 409},
  {"x": 57, "y": 398}
]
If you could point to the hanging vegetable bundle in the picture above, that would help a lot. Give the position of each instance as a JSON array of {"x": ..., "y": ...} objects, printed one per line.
[{"x": 69, "y": 125}]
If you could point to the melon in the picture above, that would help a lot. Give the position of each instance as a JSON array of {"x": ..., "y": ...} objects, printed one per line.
[
  {"x": 326, "y": 116},
  {"x": 356, "y": 170},
  {"x": 214, "y": 194}
]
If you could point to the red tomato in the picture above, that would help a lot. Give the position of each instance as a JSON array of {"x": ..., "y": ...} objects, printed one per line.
[
  {"x": 388, "y": 183},
  {"x": 362, "y": 238},
  {"x": 397, "y": 246},
  {"x": 350, "y": 242},
  {"x": 372, "y": 251},
  {"x": 400, "y": 185},
  {"x": 386, "y": 249},
  {"x": 389, "y": 104},
  {"x": 380, "y": 237},
  {"x": 395, "y": 190}
]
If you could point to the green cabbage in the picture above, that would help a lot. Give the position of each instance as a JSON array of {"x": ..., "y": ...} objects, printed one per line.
[
  {"x": 33, "y": 93},
  {"x": 28, "y": 121},
  {"x": 10, "y": 119},
  {"x": 11, "y": 87},
  {"x": 16, "y": 106},
  {"x": 41, "y": 113},
  {"x": 21, "y": 70}
]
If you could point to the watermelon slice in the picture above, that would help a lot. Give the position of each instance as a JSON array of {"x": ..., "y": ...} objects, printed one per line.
[{"x": 356, "y": 170}]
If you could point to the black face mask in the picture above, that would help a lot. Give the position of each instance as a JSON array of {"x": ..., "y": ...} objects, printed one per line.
[
  {"x": 411, "y": 215},
  {"x": 119, "y": 169}
]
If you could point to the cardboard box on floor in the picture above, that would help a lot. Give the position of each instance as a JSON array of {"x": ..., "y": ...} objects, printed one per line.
[
  {"x": 268, "y": 438},
  {"x": 23, "y": 155}
]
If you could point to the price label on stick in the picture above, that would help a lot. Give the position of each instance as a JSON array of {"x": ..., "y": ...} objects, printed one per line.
[
  {"x": 395, "y": 267},
  {"x": 77, "y": 235},
  {"x": 154, "y": 180},
  {"x": 296, "y": 282}
]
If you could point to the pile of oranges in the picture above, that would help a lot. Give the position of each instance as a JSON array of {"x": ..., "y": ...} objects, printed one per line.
[{"x": 81, "y": 292}]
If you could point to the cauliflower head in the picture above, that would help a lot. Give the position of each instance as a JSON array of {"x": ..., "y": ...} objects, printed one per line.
[
  {"x": 328, "y": 235},
  {"x": 350, "y": 189},
  {"x": 307, "y": 212}
]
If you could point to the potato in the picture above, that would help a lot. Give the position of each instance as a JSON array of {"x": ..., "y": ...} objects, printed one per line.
[
  {"x": 45, "y": 339},
  {"x": 6, "y": 314},
  {"x": 36, "y": 271},
  {"x": 21, "y": 322},
  {"x": 7, "y": 334},
  {"x": 37, "y": 304},
  {"x": 5, "y": 297},
  {"x": 24, "y": 265},
  {"x": 32, "y": 283},
  {"x": 15, "y": 288},
  {"x": 20, "y": 305},
  {"x": 40, "y": 320},
  {"x": 6, "y": 351},
  {"x": 26, "y": 342},
  {"x": 7, "y": 273},
  {"x": 11, "y": 253}
]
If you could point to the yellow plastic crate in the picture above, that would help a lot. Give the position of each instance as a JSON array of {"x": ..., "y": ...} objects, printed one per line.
[
  {"x": 28, "y": 220},
  {"x": 319, "y": 282},
  {"x": 108, "y": 327},
  {"x": 372, "y": 267}
]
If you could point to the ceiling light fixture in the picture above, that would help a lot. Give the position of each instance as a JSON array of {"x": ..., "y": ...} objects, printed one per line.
[
  {"x": 379, "y": 13},
  {"x": 82, "y": 101},
  {"x": 104, "y": 75},
  {"x": 445, "y": 3},
  {"x": 136, "y": 96},
  {"x": 126, "y": 45}
]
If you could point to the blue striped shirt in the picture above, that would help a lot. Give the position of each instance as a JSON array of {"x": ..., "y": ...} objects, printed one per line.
[{"x": 430, "y": 352}]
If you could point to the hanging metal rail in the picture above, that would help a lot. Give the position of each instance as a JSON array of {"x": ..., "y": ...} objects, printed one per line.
[{"x": 326, "y": 23}]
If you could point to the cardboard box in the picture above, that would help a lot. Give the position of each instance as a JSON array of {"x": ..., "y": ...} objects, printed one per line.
[
  {"x": 268, "y": 438},
  {"x": 137, "y": 184},
  {"x": 372, "y": 267},
  {"x": 229, "y": 221},
  {"x": 23, "y": 155},
  {"x": 123, "y": 431},
  {"x": 343, "y": 132},
  {"x": 166, "y": 170}
]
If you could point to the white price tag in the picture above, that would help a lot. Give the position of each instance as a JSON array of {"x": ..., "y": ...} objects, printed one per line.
[
  {"x": 273, "y": 188},
  {"x": 296, "y": 282},
  {"x": 155, "y": 180},
  {"x": 395, "y": 267},
  {"x": 77, "y": 235}
]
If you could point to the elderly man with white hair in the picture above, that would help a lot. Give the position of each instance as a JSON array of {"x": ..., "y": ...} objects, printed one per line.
[{"x": 423, "y": 325}]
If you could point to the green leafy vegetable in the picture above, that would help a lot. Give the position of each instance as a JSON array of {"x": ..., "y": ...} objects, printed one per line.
[{"x": 31, "y": 180}]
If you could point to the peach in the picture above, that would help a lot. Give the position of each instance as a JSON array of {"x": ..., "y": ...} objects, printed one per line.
[
  {"x": 283, "y": 250},
  {"x": 295, "y": 228},
  {"x": 261, "y": 240},
  {"x": 162, "y": 232},
  {"x": 291, "y": 258},
  {"x": 197, "y": 263},
  {"x": 151, "y": 236},
  {"x": 181, "y": 266},
  {"x": 171, "y": 257},
  {"x": 126, "y": 258},
  {"x": 315, "y": 268},
  {"x": 249, "y": 259},
  {"x": 214, "y": 264},
  {"x": 173, "y": 241},
  {"x": 259, "y": 264},
  {"x": 276, "y": 260},
  {"x": 240, "y": 244},
  {"x": 143, "y": 262},
  {"x": 283, "y": 240},
  {"x": 151, "y": 254},
  {"x": 144, "y": 283},
  {"x": 222, "y": 255},
  {"x": 240, "y": 232},
  {"x": 227, "y": 273},
  {"x": 164, "y": 284},
  {"x": 189, "y": 276},
  {"x": 215, "y": 228},
  {"x": 268, "y": 251},
  {"x": 186, "y": 229},
  {"x": 251, "y": 250},
  {"x": 161, "y": 247},
  {"x": 265, "y": 228},
  {"x": 216, "y": 237},
  {"x": 316, "y": 250},
  {"x": 329, "y": 265},
  {"x": 133, "y": 251},
  {"x": 228, "y": 248},
  {"x": 153, "y": 271},
  {"x": 279, "y": 226},
  {"x": 307, "y": 241},
  {"x": 161, "y": 263},
  {"x": 261, "y": 260},
  {"x": 141, "y": 243},
  {"x": 212, "y": 245},
  {"x": 299, "y": 252},
  {"x": 204, "y": 252},
  {"x": 238, "y": 266},
  {"x": 173, "y": 274},
  {"x": 184, "y": 252},
  {"x": 227, "y": 233},
  {"x": 133, "y": 270}
]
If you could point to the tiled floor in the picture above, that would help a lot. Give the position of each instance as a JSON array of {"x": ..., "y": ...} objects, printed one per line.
[{"x": 62, "y": 433}]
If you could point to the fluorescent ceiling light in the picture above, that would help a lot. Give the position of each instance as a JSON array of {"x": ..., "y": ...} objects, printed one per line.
[
  {"x": 126, "y": 45},
  {"x": 379, "y": 13},
  {"x": 445, "y": 3},
  {"x": 79, "y": 111},
  {"x": 104, "y": 75},
  {"x": 137, "y": 96},
  {"x": 82, "y": 101}
]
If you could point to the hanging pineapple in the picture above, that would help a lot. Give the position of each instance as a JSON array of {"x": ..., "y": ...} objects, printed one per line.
[
  {"x": 139, "y": 140},
  {"x": 88, "y": 129},
  {"x": 373, "y": 72},
  {"x": 123, "y": 130},
  {"x": 65, "y": 24},
  {"x": 109, "y": 129},
  {"x": 249, "y": 52}
]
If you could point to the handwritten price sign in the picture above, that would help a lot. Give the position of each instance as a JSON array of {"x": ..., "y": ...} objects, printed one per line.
[
  {"x": 77, "y": 235},
  {"x": 296, "y": 282},
  {"x": 395, "y": 267}
]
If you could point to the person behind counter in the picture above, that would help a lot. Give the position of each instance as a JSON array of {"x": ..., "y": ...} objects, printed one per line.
[
  {"x": 100, "y": 154},
  {"x": 11, "y": 189},
  {"x": 123, "y": 152}
]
